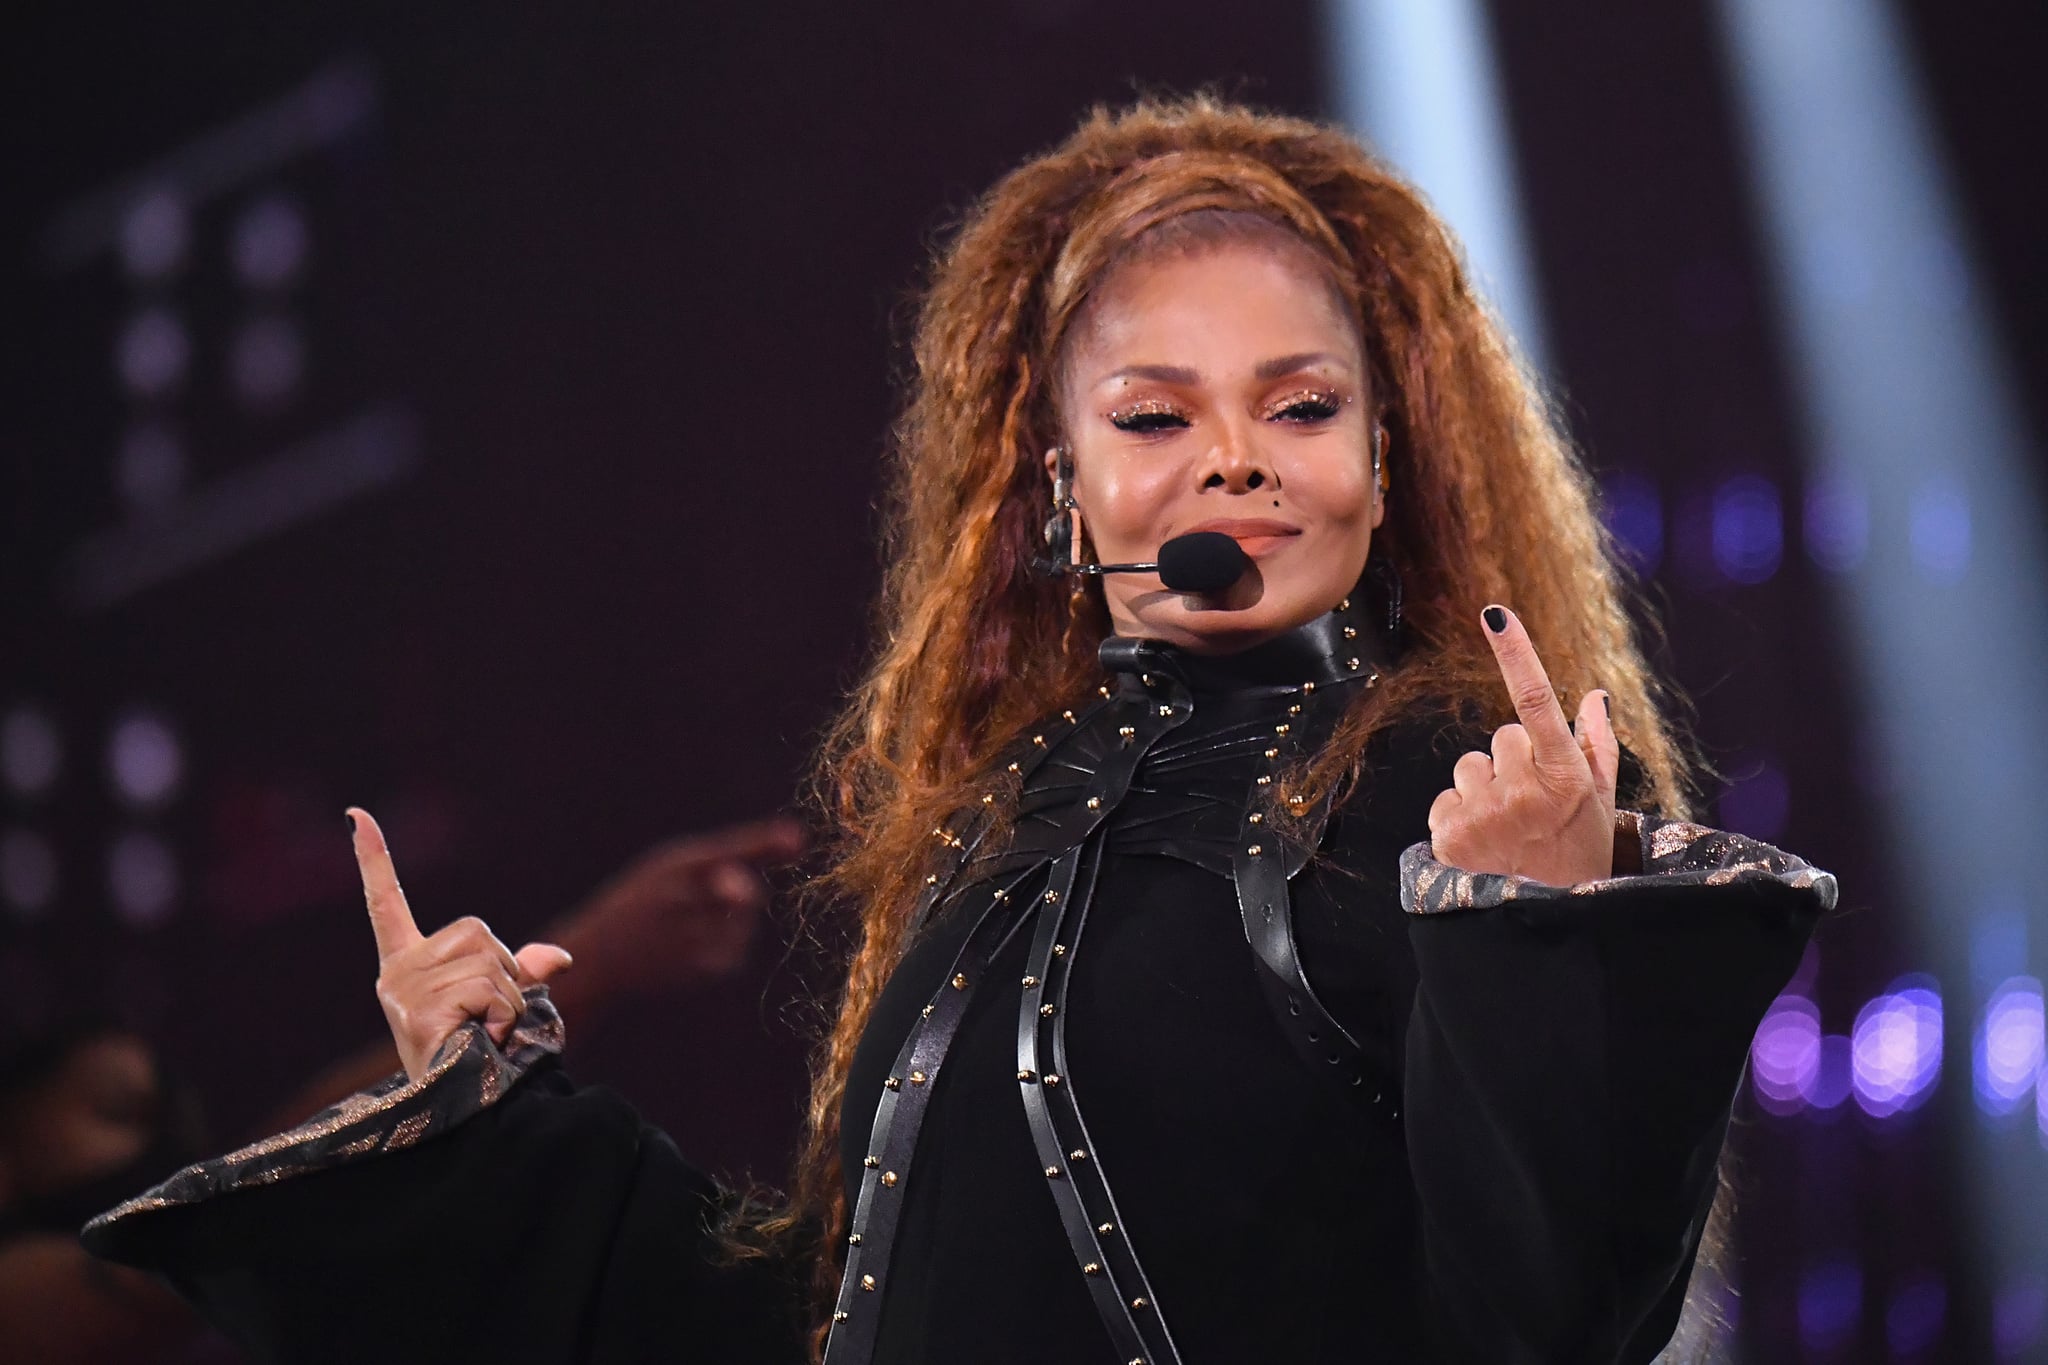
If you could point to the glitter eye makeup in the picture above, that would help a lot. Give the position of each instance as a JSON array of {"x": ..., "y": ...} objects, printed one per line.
[
  {"x": 1306, "y": 405},
  {"x": 1151, "y": 414}
]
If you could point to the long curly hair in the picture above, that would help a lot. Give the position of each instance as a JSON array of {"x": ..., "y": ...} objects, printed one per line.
[{"x": 1488, "y": 503}]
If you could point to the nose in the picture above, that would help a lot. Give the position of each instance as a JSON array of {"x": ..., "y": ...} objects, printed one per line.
[{"x": 1235, "y": 463}]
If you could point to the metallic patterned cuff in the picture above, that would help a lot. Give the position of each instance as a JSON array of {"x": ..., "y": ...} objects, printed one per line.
[
  {"x": 1674, "y": 853},
  {"x": 468, "y": 1075}
]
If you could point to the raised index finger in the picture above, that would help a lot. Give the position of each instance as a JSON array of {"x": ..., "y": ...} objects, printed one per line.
[
  {"x": 1550, "y": 738},
  {"x": 390, "y": 917}
]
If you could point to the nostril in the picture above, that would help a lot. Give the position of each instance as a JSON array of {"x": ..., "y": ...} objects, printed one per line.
[{"x": 1255, "y": 480}]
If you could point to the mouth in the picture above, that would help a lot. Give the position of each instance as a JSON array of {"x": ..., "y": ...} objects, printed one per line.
[{"x": 1256, "y": 536}]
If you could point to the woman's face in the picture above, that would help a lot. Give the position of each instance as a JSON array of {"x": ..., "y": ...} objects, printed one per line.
[{"x": 1223, "y": 390}]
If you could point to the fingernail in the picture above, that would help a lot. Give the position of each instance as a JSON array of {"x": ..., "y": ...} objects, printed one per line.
[
  {"x": 1607, "y": 705},
  {"x": 1496, "y": 620},
  {"x": 351, "y": 822}
]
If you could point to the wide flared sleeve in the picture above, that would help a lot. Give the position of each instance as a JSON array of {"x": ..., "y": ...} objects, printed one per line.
[
  {"x": 490, "y": 1210},
  {"x": 1569, "y": 1065}
]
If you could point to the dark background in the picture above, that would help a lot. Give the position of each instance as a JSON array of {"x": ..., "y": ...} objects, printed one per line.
[{"x": 637, "y": 283}]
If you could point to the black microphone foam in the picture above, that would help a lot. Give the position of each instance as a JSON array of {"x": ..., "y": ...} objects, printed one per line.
[{"x": 1202, "y": 561}]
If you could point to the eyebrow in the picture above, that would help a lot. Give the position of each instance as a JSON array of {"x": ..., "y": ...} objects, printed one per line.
[{"x": 1181, "y": 374}]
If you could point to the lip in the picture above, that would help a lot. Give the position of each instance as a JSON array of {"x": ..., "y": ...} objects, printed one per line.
[{"x": 1255, "y": 535}]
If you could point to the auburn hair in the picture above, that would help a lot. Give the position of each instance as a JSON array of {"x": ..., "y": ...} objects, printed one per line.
[{"x": 1488, "y": 503}]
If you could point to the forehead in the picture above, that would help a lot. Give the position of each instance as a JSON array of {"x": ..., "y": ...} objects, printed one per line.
[{"x": 1230, "y": 302}]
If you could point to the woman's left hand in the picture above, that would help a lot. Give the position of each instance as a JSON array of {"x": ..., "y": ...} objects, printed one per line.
[{"x": 1542, "y": 804}]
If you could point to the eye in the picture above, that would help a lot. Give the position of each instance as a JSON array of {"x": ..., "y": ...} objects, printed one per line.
[
  {"x": 1151, "y": 415},
  {"x": 1307, "y": 407}
]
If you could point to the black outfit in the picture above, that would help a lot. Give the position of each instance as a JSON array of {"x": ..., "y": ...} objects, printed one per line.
[{"x": 1152, "y": 1083}]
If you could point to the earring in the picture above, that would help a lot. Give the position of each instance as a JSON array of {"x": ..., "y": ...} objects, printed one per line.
[
  {"x": 1380, "y": 473},
  {"x": 1063, "y": 528}
]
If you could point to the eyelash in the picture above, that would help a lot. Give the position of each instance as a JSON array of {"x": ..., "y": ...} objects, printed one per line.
[{"x": 1323, "y": 404}]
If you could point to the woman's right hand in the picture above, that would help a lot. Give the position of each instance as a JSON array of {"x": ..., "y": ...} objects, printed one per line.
[{"x": 430, "y": 985}]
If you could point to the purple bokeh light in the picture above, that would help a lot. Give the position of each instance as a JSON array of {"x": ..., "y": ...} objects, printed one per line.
[
  {"x": 1785, "y": 1056},
  {"x": 1896, "y": 1048},
  {"x": 1635, "y": 515},
  {"x": 1918, "y": 1310},
  {"x": 1830, "y": 1304},
  {"x": 1749, "y": 533},
  {"x": 145, "y": 759},
  {"x": 2009, "y": 1045},
  {"x": 1837, "y": 524}
]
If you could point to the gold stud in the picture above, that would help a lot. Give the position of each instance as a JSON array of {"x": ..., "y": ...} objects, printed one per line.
[
  {"x": 1140, "y": 1303},
  {"x": 1077, "y": 1155},
  {"x": 927, "y": 1011},
  {"x": 1165, "y": 710},
  {"x": 867, "y": 1282},
  {"x": 1145, "y": 678},
  {"x": 1297, "y": 800},
  {"x": 1255, "y": 818},
  {"x": 889, "y": 1178},
  {"x": 1052, "y": 1079},
  {"x": 1039, "y": 740},
  {"x": 1345, "y": 605},
  {"x": 1002, "y": 893},
  {"x": 1094, "y": 803},
  {"x": 988, "y": 798},
  {"x": 853, "y": 1239},
  {"x": 1068, "y": 716},
  {"x": 1126, "y": 733},
  {"x": 1105, "y": 1228},
  {"x": 1265, "y": 779},
  {"x": 1308, "y": 689},
  {"x": 932, "y": 880},
  {"x": 1281, "y": 728},
  {"x": 1255, "y": 850},
  {"x": 1030, "y": 982},
  {"x": 1351, "y": 663},
  {"x": 1351, "y": 632},
  {"x": 841, "y": 1316},
  {"x": 959, "y": 981},
  {"x": 871, "y": 1162},
  {"x": 1272, "y": 753},
  {"x": 1294, "y": 710},
  {"x": 1052, "y": 897},
  {"x": 1048, "y": 1011},
  {"x": 1025, "y": 1076},
  {"x": 917, "y": 1078},
  {"x": 1052, "y": 1173},
  {"x": 1092, "y": 1268},
  {"x": 1137, "y": 1360},
  {"x": 1104, "y": 689},
  {"x": 1059, "y": 950},
  {"x": 894, "y": 1083},
  {"x": 1016, "y": 768}
]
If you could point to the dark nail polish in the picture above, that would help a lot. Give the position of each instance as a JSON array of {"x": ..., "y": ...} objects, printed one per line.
[
  {"x": 351, "y": 822},
  {"x": 1607, "y": 705},
  {"x": 1496, "y": 620}
]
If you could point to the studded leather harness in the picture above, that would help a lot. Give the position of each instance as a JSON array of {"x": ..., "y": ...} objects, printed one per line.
[{"x": 1075, "y": 773}]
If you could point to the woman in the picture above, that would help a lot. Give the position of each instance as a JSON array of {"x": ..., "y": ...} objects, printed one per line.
[{"x": 1369, "y": 1050}]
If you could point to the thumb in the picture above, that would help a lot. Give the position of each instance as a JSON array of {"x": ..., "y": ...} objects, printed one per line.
[
  {"x": 1594, "y": 729},
  {"x": 539, "y": 961}
]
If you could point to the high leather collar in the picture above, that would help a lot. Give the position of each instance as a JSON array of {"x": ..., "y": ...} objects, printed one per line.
[{"x": 1334, "y": 647}]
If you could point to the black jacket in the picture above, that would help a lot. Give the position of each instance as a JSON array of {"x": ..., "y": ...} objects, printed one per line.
[{"x": 1151, "y": 1083}]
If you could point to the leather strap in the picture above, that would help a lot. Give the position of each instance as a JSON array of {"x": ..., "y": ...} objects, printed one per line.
[
  {"x": 1261, "y": 866},
  {"x": 1073, "y": 1169}
]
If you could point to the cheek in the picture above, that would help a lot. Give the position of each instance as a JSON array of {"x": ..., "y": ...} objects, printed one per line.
[
  {"x": 1338, "y": 491},
  {"x": 1127, "y": 497}
]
